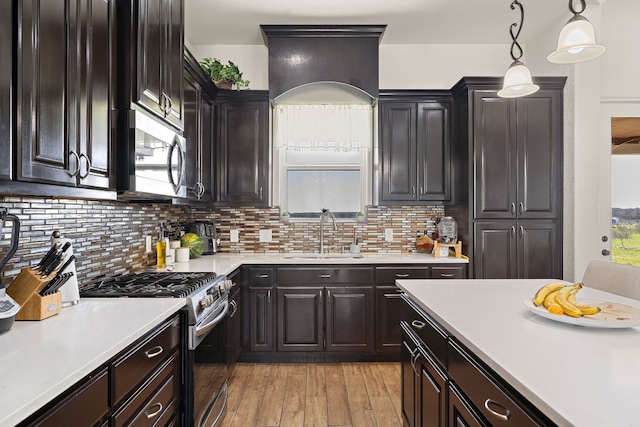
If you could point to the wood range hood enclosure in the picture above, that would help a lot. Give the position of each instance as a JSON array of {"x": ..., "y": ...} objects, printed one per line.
[{"x": 302, "y": 54}]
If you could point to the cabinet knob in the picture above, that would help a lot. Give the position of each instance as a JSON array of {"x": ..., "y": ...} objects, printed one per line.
[
  {"x": 156, "y": 412},
  {"x": 504, "y": 416},
  {"x": 398, "y": 275},
  {"x": 262, "y": 276},
  {"x": 324, "y": 276},
  {"x": 153, "y": 352},
  {"x": 418, "y": 324},
  {"x": 413, "y": 191},
  {"x": 513, "y": 209}
]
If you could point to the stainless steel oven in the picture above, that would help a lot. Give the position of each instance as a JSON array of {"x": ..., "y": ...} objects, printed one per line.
[{"x": 207, "y": 362}]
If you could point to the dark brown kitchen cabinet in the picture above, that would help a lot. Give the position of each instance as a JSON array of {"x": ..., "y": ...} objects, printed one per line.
[
  {"x": 415, "y": 148},
  {"x": 141, "y": 385},
  {"x": 7, "y": 79},
  {"x": 518, "y": 155},
  {"x": 198, "y": 130},
  {"x": 64, "y": 83},
  {"x": 510, "y": 157},
  {"x": 261, "y": 318},
  {"x": 525, "y": 249},
  {"x": 234, "y": 328},
  {"x": 150, "y": 46},
  {"x": 461, "y": 412},
  {"x": 349, "y": 324},
  {"x": 243, "y": 148},
  {"x": 300, "y": 318}
]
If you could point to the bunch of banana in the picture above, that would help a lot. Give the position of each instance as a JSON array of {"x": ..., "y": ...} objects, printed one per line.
[{"x": 560, "y": 298}]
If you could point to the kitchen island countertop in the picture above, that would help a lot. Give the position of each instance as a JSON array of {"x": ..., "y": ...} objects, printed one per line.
[
  {"x": 41, "y": 359},
  {"x": 575, "y": 375},
  {"x": 225, "y": 263}
]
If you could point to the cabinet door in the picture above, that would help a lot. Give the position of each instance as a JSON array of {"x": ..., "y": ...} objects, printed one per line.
[
  {"x": 350, "y": 318},
  {"x": 433, "y": 393},
  {"x": 398, "y": 145},
  {"x": 46, "y": 96},
  {"x": 388, "y": 316},
  {"x": 97, "y": 32},
  {"x": 243, "y": 155},
  {"x": 173, "y": 60},
  {"x": 494, "y": 250},
  {"x": 540, "y": 155},
  {"x": 408, "y": 389},
  {"x": 460, "y": 412},
  {"x": 206, "y": 147},
  {"x": 260, "y": 319},
  {"x": 234, "y": 328},
  {"x": 495, "y": 155},
  {"x": 300, "y": 319},
  {"x": 434, "y": 151},
  {"x": 6, "y": 88},
  {"x": 151, "y": 45},
  {"x": 539, "y": 250},
  {"x": 193, "y": 115}
]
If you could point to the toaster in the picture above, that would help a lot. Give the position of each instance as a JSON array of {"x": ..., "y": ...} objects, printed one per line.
[{"x": 207, "y": 231}]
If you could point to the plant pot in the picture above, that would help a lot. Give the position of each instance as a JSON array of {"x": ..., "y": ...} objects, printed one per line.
[{"x": 224, "y": 84}]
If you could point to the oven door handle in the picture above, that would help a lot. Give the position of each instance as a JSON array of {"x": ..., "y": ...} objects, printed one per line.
[{"x": 210, "y": 324}]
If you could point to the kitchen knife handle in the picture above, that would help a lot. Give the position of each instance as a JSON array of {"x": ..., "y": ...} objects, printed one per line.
[{"x": 154, "y": 351}]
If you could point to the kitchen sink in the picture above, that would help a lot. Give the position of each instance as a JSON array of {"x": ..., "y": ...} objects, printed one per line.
[{"x": 322, "y": 256}]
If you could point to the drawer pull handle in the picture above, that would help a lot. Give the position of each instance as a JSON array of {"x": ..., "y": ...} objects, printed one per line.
[
  {"x": 324, "y": 276},
  {"x": 503, "y": 417},
  {"x": 153, "y": 352},
  {"x": 418, "y": 324},
  {"x": 402, "y": 275},
  {"x": 262, "y": 276},
  {"x": 154, "y": 414},
  {"x": 446, "y": 275}
]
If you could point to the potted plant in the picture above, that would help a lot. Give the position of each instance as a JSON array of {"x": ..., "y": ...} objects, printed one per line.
[
  {"x": 285, "y": 217},
  {"x": 224, "y": 76}
]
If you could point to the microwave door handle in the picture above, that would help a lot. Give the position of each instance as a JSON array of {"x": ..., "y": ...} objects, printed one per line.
[{"x": 174, "y": 145}]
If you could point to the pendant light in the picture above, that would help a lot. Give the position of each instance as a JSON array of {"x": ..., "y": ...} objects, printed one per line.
[
  {"x": 517, "y": 79},
  {"x": 577, "y": 40}
]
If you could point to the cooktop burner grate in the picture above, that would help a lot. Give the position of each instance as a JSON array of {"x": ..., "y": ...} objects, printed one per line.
[{"x": 149, "y": 284}]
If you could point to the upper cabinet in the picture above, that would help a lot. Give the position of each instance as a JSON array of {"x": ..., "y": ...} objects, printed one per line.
[
  {"x": 415, "y": 148},
  {"x": 199, "y": 93},
  {"x": 63, "y": 91},
  {"x": 243, "y": 147},
  {"x": 151, "y": 43},
  {"x": 6, "y": 88},
  {"x": 518, "y": 155}
]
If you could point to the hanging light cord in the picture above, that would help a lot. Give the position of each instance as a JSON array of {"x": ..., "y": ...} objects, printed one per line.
[
  {"x": 514, "y": 44},
  {"x": 576, "y": 13}
]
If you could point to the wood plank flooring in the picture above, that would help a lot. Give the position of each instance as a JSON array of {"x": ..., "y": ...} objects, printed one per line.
[{"x": 314, "y": 394}]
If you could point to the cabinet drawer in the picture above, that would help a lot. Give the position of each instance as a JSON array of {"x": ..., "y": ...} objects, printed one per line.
[
  {"x": 319, "y": 275},
  {"x": 157, "y": 402},
  {"x": 487, "y": 397},
  {"x": 85, "y": 406},
  {"x": 434, "y": 337},
  {"x": 389, "y": 275},
  {"x": 134, "y": 366},
  {"x": 453, "y": 272},
  {"x": 261, "y": 276}
]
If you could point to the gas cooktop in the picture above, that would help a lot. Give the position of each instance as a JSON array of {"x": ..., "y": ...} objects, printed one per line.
[{"x": 149, "y": 284}]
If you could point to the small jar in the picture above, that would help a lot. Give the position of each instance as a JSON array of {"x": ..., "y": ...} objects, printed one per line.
[{"x": 448, "y": 230}]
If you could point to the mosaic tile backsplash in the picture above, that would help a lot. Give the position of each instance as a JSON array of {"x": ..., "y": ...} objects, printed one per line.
[{"x": 109, "y": 237}]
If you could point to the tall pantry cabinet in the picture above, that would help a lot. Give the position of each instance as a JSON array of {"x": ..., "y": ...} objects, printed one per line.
[{"x": 509, "y": 159}]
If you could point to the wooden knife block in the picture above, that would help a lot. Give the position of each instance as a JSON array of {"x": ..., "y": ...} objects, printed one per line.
[{"x": 24, "y": 290}]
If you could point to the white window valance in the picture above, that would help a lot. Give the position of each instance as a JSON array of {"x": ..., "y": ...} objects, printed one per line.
[{"x": 339, "y": 128}]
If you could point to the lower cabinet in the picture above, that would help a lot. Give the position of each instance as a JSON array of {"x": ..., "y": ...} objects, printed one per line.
[
  {"x": 234, "y": 328},
  {"x": 261, "y": 319},
  {"x": 349, "y": 323},
  {"x": 444, "y": 384},
  {"x": 140, "y": 386},
  {"x": 300, "y": 319}
]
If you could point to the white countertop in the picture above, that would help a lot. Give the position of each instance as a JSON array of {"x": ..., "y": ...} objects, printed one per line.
[
  {"x": 576, "y": 375},
  {"x": 41, "y": 359},
  {"x": 225, "y": 263}
]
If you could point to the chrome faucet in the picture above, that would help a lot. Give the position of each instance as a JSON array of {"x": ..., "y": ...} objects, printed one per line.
[{"x": 326, "y": 213}]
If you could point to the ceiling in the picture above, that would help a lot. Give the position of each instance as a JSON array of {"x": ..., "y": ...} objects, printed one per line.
[{"x": 237, "y": 22}]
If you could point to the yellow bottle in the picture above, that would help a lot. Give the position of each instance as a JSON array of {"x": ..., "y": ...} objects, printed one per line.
[{"x": 161, "y": 253}]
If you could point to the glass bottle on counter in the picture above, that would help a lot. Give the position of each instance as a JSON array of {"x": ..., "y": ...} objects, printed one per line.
[
  {"x": 448, "y": 230},
  {"x": 161, "y": 249}
]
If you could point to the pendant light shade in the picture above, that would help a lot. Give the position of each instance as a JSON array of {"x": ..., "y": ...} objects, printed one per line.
[
  {"x": 517, "y": 79},
  {"x": 517, "y": 82},
  {"x": 577, "y": 40}
]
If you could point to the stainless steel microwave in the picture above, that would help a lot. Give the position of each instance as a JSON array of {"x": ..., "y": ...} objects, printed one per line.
[{"x": 151, "y": 158}]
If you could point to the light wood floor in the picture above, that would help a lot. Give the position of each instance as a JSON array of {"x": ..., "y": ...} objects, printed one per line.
[{"x": 314, "y": 394}]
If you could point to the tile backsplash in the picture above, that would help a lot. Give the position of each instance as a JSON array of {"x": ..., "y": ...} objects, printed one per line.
[{"x": 109, "y": 237}]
